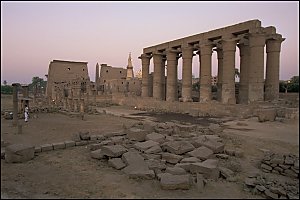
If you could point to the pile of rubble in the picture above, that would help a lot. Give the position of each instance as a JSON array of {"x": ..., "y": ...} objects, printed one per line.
[
  {"x": 287, "y": 165},
  {"x": 271, "y": 188},
  {"x": 178, "y": 155}
]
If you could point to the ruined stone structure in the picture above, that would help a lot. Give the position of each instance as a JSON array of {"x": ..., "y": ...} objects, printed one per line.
[
  {"x": 249, "y": 36},
  {"x": 61, "y": 71},
  {"x": 118, "y": 80}
]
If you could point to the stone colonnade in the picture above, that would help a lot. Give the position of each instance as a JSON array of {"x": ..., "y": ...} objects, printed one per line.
[{"x": 251, "y": 40}]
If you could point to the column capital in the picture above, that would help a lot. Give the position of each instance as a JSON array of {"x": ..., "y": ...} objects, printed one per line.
[
  {"x": 274, "y": 45},
  {"x": 172, "y": 55},
  {"x": 228, "y": 44},
  {"x": 144, "y": 56},
  {"x": 257, "y": 39},
  {"x": 206, "y": 49},
  {"x": 187, "y": 52}
]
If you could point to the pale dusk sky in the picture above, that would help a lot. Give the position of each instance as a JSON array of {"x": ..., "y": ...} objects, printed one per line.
[{"x": 35, "y": 33}]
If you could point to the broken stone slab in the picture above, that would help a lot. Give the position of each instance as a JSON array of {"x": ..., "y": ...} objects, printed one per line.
[
  {"x": 209, "y": 169},
  {"x": 177, "y": 147},
  {"x": 225, "y": 172},
  {"x": 133, "y": 158},
  {"x": 171, "y": 158},
  {"x": 136, "y": 134},
  {"x": 143, "y": 146},
  {"x": 250, "y": 182},
  {"x": 190, "y": 160},
  {"x": 175, "y": 170},
  {"x": 156, "y": 137},
  {"x": 156, "y": 164},
  {"x": 59, "y": 145},
  {"x": 266, "y": 114},
  {"x": 202, "y": 153},
  {"x": 69, "y": 143},
  {"x": 113, "y": 150},
  {"x": 116, "y": 163},
  {"x": 114, "y": 133},
  {"x": 290, "y": 173},
  {"x": 215, "y": 146},
  {"x": 277, "y": 159},
  {"x": 184, "y": 127},
  {"x": 185, "y": 166},
  {"x": 106, "y": 142},
  {"x": 93, "y": 137},
  {"x": 117, "y": 139},
  {"x": 18, "y": 153},
  {"x": 94, "y": 147},
  {"x": 174, "y": 182},
  {"x": 141, "y": 174},
  {"x": 97, "y": 154},
  {"x": 37, "y": 149},
  {"x": 212, "y": 137},
  {"x": 296, "y": 164},
  {"x": 154, "y": 149},
  {"x": 100, "y": 137},
  {"x": 149, "y": 156},
  {"x": 81, "y": 143},
  {"x": 84, "y": 134},
  {"x": 47, "y": 147}
]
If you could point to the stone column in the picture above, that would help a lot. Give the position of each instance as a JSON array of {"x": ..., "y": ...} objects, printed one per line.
[
  {"x": 172, "y": 94},
  {"x": 97, "y": 76},
  {"x": 25, "y": 91},
  {"x": 228, "y": 82},
  {"x": 205, "y": 73},
  {"x": 256, "y": 67},
  {"x": 145, "y": 74},
  {"x": 157, "y": 76},
  {"x": 187, "y": 60},
  {"x": 272, "y": 69},
  {"x": 244, "y": 65},
  {"x": 220, "y": 73},
  {"x": 15, "y": 104}
]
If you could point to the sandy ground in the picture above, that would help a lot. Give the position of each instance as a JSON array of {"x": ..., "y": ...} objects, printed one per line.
[{"x": 72, "y": 173}]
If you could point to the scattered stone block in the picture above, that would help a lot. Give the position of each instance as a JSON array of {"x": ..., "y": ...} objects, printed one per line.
[
  {"x": 116, "y": 163},
  {"x": 190, "y": 160},
  {"x": 18, "y": 153},
  {"x": 154, "y": 149},
  {"x": 156, "y": 164},
  {"x": 113, "y": 150},
  {"x": 133, "y": 158},
  {"x": 47, "y": 147},
  {"x": 202, "y": 153},
  {"x": 59, "y": 145},
  {"x": 175, "y": 170},
  {"x": 266, "y": 167},
  {"x": 156, "y": 137},
  {"x": 260, "y": 188},
  {"x": 37, "y": 149},
  {"x": 94, "y": 147},
  {"x": 171, "y": 158},
  {"x": 250, "y": 182},
  {"x": 288, "y": 160},
  {"x": 97, "y": 154},
  {"x": 142, "y": 174},
  {"x": 149, "y": 156},
  {"x": 81, "y": 143},
  {"x": 136, "y": 134},
  {"x": 84, "y": 135},
  {"x": 143, "y": 146},
  {"x": 215, "y": 146},
  {"x": 215, "y": 128},
  {"x": 187, "y": 128},
  {"x": 69, "y": 143},
  {"x": 177, "y": 147},
  {"x": 225, "y": 172},
  {"x": 185, "y": 166},
  {"x": 209, "y": 169},
  {"x": 117, "y": 139},
  {"x": 93, "y": 137},
  {"x": 174, "y": 182}
]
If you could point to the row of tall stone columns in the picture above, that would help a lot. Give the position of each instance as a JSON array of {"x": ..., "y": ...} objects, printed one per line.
[{"x": 252, "y": 83}]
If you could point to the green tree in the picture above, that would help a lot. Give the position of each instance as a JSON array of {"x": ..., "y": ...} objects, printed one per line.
[
  {"x": 6, "y": 89},
  {"x": 4, "y": 82}
]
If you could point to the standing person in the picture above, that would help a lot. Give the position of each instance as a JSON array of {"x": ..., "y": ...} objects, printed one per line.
[{"x": 26, "y": 113}]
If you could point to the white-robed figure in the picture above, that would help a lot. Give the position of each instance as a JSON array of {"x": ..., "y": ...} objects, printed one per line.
[{"x": 26, "y": 113}]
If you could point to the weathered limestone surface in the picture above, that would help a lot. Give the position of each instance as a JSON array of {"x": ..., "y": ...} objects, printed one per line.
[
  {"x": 178, "y": 147},
  {"x": 174, "y": 182},
  {"x": 116, "y": 163},
  {"x": 156, "y": 137},
  {"x": 143, "y": 146},
  {"x": 18, "y": 153},
  {"x": 202, "y": 153},
  {"x": 59, "y": 145},
  {"x": 266, "y": 114},
  {"x": 136, "y": 134},
  {"x": 69, "y": 143},
  {"x": 47, "y": 147},
  {"x": 209, "y": 168},
  {"x": 113, "y": 150},
  {"x": 171, "y": 158}
]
